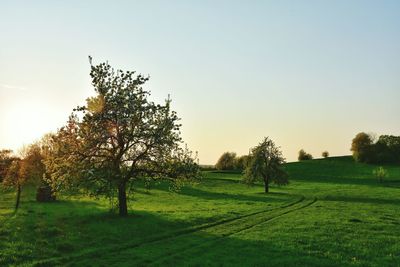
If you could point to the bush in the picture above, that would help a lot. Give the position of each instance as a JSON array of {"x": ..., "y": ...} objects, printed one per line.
[
  {"x": 380, "y": 173},
  {"x": 304, "y": 156},
  {"x": 325, "y": 154}
]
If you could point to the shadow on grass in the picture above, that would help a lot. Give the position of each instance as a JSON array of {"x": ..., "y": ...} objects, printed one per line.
[
  {"x": 83, "y": 233},
  {"x": 209, "y": 195},
  {"x": 201, "y": 249},
  {"x": 146, "y": 239},
  {"x": 367, "y": 200},
  {"x": 337, "y": 180},
  {"x": 51, "y": 230}
]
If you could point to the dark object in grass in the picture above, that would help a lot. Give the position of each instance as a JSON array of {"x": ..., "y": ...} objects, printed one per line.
[
  {"x": 355, "y": 220},
  {"x": 44, "y": 194}
]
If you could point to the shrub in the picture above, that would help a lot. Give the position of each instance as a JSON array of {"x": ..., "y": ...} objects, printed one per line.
[
  {"x": 380, "y": 173},
  {"x": 325, "y": 154}
]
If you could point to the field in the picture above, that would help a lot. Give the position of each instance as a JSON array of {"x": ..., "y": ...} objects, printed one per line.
[{"x": 333, "y": 213}]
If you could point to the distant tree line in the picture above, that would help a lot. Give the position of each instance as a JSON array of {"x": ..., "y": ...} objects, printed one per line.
[
  {"x": 367, "y": 149},
  {"x": 230, "y": 161}
]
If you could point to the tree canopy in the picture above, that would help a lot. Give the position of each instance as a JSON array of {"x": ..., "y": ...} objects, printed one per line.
[
  {"x": 361, "y": 147},
  {"x": 119, "y": 136}
]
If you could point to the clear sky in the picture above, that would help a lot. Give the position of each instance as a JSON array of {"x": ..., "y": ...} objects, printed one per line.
[{"x": 309, "y": 74}]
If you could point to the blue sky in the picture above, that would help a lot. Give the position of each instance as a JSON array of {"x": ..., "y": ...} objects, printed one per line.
[{"x": 309, "y": 74}]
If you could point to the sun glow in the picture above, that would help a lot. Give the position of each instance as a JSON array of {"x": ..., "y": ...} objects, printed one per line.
[{"x": 25, "y": 121}]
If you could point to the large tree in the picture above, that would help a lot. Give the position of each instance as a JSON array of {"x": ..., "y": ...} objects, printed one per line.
[
  {"x": 119, "y": 136},
  {"x": 265, "y": 165}
]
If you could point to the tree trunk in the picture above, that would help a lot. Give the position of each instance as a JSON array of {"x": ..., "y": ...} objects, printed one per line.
[
  {"x": 266, "y": 184},
  {"x": 18, "y": 197},
  {"x": 122, "y": 203}
]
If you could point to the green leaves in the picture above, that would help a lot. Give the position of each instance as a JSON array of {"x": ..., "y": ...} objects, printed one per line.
[
  {"x": 119, "y": 136},
  {"x": 265, "y": 164}
]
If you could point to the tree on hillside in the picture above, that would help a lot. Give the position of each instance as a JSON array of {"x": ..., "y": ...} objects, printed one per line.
[
  {"x": 304, "y": 155},
  {"x": 119, "y": 136},
  {"x": 325, "y": 154},
  {"x": 226, "y": 161},
  {"x": 387, "y": 149},
  {"x": 265, "y": 164},
  {"x": 362, "y": 147}
]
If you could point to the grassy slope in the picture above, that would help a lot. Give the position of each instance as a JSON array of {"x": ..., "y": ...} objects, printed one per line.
[{"x": 334, "y": 213}]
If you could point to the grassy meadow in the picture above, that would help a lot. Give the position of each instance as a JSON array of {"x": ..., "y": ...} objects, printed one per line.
[{"x": 334, "y": 212}]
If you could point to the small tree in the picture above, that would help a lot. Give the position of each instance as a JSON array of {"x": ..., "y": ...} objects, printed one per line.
[
  {"x": 304, "y": 155},
  {"x": 380, "y": 173},
  {"x": 119, "y": 136},
  {"x": 265, "y": 164},
  {"x": 325, "y": 154},
  {"x": 226, "y": 161}
]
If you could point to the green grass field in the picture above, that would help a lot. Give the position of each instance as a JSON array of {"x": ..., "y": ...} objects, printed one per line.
[{"x": 333, "y": 213}]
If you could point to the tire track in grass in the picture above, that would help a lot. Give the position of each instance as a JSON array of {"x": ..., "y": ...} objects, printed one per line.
[
  {"x": 189, "y": 242},
  {"x": 222, "y": 236},
  {"x": 174, "y": 235},
  {"x": 280, "y": 215}
]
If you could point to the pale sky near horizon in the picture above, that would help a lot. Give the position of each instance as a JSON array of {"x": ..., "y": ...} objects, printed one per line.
[{"x": 308, "y": 74}]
